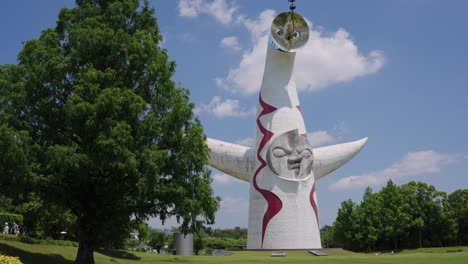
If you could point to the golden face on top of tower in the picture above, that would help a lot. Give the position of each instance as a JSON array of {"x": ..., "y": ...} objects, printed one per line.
[{"x": 289, "y": 31}]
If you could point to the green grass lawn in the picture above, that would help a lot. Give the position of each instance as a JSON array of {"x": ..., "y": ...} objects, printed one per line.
[{"x": 48, "y": 254}]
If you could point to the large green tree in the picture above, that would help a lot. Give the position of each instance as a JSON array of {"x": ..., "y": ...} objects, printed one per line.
[
  {"x": 368, "y": 214},
  {"x": 458, "y": 208},
  {"x": 345, "y": 226},
  {"x": 394, "y": 220},
  {"x": 19, "y": 175},
  {"x": 114, "y": 138}
]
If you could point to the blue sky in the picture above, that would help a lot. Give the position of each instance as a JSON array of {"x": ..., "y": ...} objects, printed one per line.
[{"x": 394, "y": 71}]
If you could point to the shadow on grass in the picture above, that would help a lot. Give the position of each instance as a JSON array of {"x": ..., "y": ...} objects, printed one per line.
[
  {"x": 174, "y": 259},
  {"x": 33, "y": 258},
  {"x": 120, "y": 254}
]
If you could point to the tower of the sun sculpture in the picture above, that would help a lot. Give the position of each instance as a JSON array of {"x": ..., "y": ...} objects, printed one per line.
[{"x": 282, "y": 166}]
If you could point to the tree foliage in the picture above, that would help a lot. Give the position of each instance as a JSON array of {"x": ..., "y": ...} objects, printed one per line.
[
  {"x": 100, "y": 127},
  {"x": 223, "y": 238},
  {"x": 458, "y": 208},
  {"x": 157, "y": 239},
  {"x": 407, "y": 216},
  {"x": 236, "y": 233}
]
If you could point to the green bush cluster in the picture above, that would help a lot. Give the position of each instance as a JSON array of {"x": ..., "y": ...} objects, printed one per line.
[
  {"x": 30, "y": 240},
  {"x": 224, "y": 243},
  {"x": 9, "y": 237},
  {"x": 454, "y": 250}
]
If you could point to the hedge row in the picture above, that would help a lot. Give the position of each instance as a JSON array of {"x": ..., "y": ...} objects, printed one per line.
[{"x": 30, "y": 240}]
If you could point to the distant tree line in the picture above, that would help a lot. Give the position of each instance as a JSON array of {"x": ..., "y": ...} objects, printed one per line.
[
  {"x": 235, "y": 238},
  {"x": 205, "y": 241},
  {"x": 408, "y": 216}
]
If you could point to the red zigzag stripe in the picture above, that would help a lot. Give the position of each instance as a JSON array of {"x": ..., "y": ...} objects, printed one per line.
[
  {"x": 313, "y": 203},
  {"x": 274, "y": 203}
]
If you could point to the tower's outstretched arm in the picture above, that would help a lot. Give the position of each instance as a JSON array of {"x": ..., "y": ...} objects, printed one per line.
[
  {"x": 239, "y": 161},
  {"x": 330, "y": 158},
  {"x": 233, "y": 159}
]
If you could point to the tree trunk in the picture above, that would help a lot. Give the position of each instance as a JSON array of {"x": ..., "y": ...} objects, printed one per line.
[
  {"x": 420, "y": 239},
  {"x": 85, "y": 253}
]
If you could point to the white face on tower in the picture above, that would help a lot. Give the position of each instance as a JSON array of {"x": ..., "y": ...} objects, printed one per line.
[{"x": 290, "y": 156}]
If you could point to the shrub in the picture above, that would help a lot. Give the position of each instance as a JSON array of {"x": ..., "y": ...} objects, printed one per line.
[
  {"x": 9, "y": 237},
  {"x": 454, "y": 250},
  {"x": 9, "y": 260},
  {"x": 30, "y": 240}
]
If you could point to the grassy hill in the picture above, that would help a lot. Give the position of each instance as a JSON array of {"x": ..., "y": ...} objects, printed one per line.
[{"x": 49, "y": 254}]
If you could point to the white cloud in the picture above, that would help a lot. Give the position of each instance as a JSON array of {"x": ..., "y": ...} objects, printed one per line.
[
  {"x": 326, "y": 59},
  {"x": 189, "y": 8},
  {"x": 413, "y": 164},
  {"x": 333, "y": 59},
  {"x": 247, "y": 78},
  {"x": 234, "y": 205},
  {"x": 224, "y": 179},
  {"x": 230, "y": 42},
  {"x": 261, "y": 26},
  {"x": 226, "y": 108},
  {"x": 248, "y": 142},
  {"x": 220, "y": 10},
  {"x": 321, "y": 138},
  {"x": 186, "y": 36}
]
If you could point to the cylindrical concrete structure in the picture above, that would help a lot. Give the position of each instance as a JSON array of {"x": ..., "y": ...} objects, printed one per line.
[{"x": 183, "y": 244}]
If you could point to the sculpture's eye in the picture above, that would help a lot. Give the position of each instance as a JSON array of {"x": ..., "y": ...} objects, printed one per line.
[
  {"x": 280, "y": 32},
  {"x": 279, "y": 152},
  {"x": 306, "y": 153},
  {"x": 296, "y": 34}
]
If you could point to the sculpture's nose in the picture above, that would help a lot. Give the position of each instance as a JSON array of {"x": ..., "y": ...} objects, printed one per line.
[
  {"x": 294, "y": 158},
  {"x": 294, "y": 162}
]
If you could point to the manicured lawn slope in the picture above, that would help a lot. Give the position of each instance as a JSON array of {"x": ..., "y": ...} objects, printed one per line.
[{"x": 47, "y": 254}]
